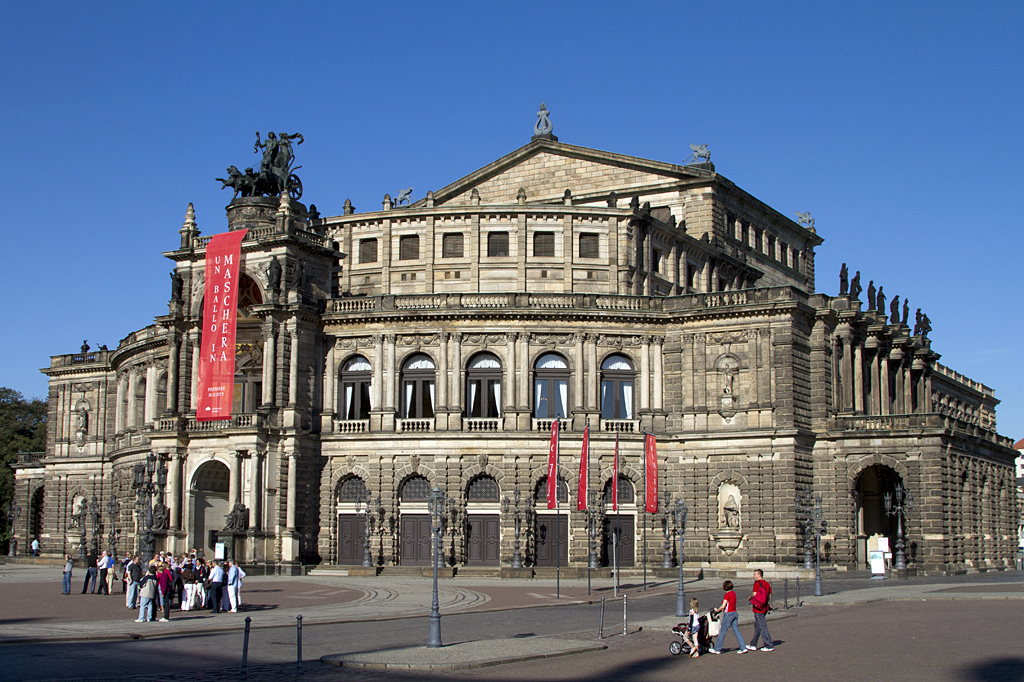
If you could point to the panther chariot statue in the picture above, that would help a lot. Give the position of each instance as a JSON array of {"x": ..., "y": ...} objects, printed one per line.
[{"x": 276, "y": 172}]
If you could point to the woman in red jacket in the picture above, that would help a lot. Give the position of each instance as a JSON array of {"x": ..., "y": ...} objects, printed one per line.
[
  {"x": 729, "y": 620},
  {"x": 165, "y": 580}
]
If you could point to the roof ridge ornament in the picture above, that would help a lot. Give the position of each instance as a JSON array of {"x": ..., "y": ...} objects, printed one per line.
[
  {"x": 542, "y": 130},
  {"x": 700, "y": 151}
]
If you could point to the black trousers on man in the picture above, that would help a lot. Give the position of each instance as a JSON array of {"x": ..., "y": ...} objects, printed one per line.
[
  {"x": 103, "y": 582},
  {"x": 216, "y": 594}
]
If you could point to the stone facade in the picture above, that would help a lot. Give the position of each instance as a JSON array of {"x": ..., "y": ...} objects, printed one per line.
[{"x": 435, "y": 343}]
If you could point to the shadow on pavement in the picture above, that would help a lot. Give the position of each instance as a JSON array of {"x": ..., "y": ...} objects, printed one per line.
[{"x": 1000, "y": 670}]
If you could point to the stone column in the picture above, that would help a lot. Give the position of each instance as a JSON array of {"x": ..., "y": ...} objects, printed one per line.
[
  {"x": 389, "y": 361},
  {"x": 510, "y": 381},
  {"x": 172, "y": 372},
  {"x": 194, "y": 391},
  {"x": 645, "y": 373},
  {"x": 524, "y": 361},
  {"x": 578, "y": 397},
  {"x": 149, "y": 407},
  {"x": 377, "y": 383},
  {"x": 896, "y": 356},
  {"x": 293, "y": 489},
  {"x": 330, "y": 380},
  {"x": 592, "y": 371},
  {"x": 442, "y": 371},
  {"x": 456, "y": 393},
  {"x": 884, "y": 384},
  {"x": 235, "y": 480},
  {"x": 847, "y": 372},
  {"x": 119, "y": 416},
  {"x": 858, "y": 379},
  {"x": 293, "y": 368},
  {"x": 673, "y": 263},
  {"x": 174, "y": 483},
  {"x": 876, "y": 406},
  {"x": 269, "y": 363},
  {"x": 908, "y": 386},
  {"x": 256, "y": 491},
  {"x": 132, "y": 399},
  {"x": 658, "y": 382}
]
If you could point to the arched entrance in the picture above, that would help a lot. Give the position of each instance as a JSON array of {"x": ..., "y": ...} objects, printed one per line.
[
  {"x": 209, "y": 493},
  {"x": 872, "y": 521},
  {"x": 483, "y": 522},
  {"x": 619, "y": 533},
  {"x": 414, "y": 528},
  {"x": 551, "y": 527},
  {"x": 35, "y": 518},
  {"x": 352, "y": 498}
]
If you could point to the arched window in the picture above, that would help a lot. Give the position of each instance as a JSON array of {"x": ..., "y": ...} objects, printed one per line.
[
  {"x": 355, "y": 388},
  {"x": 616, "y": 388},
  {"x": 626, "y": 493},
  {"x": 352, "y": 489},
  {"x": 551, "y": 387},
  {"x": 483, "y": 489},
  {"x": 415, "y": 489},
  {"x": 541, "y": 493},
  {"x": 483, "y": 386},
  {"x": 418, "y": 387},
  {"x": 212, "y": 477}
]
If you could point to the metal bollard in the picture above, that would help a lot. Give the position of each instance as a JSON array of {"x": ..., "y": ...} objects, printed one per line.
[
  {"x": 785, "y": 592},
  {"x": 245, "y": 646},
  {"x": 625, "y": 631},
  {"x": 600, "y": 629},
  {"x": 298, "y": 662},
  {"x": 798, "y": 591}
]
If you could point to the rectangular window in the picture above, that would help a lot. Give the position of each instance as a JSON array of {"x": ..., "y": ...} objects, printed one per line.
[
  {"x": 658, "y": 258},
  {"x": 771, "y": 246},
  {"x": 497, "y": 244},
  {"x": 745, "y": 235},
  {"x": 691, "y": 276},
  {"x": 784, "y": 253},
  {"x": 451, "y": 246},
  {"x": 409, "y": 247},
  {"x": 367, "y": 250},
  {"x": 590, "y": 246},
  {"x": 544, "y": 244}
]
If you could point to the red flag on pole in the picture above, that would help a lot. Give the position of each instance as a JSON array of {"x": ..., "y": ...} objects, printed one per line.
[
  {"x": 220, "y": 313},
  {"x": 651, "y": 484},
  {"x": 615, "y": 476},
  {"x": 553, "y": 467},
  {"x": 581, "y": 487}
]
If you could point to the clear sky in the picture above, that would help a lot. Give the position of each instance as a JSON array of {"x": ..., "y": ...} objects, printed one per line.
[{"x": 898, "y": 125}]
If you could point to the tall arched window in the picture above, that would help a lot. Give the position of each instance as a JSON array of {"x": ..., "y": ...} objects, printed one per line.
[
  {"x": 415, "y": 489},
  {"x": 483, "y": 386},
  {"x": 356, "y": 375},
  {"x": 627, "y": 495},
  {"x": 483, "y": 489},
  {"x": 418, "y": 387},
  {"x": 551, "y": 387},
  {"x": 617, "y": 388},
  {"x": 541, "y": 492},
  {"x": 352, "y": 489}
]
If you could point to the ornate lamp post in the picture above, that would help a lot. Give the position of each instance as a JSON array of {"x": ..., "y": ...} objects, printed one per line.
[
  {"x": 679, "y": 512},
  {"x": 666, "y": 547},
  {"x": 518, "y": 512},
  {"x": 364, "y": 502},
  {"x": 94, "y": 514},
  {"x": 144, "y": 490},
  {"x": 436, "y": 505},
  {"x": 804, "y": 506},
  {"x": 13, "y": 512},
  {"x": 113, "y": 511},
  {"x": 594, "y": 514},
  {"x": 904, "y": 502},
  {"x": 816, "y": 525},
  {"x": 454, "y": 519},
  {"x": 78, "y": 520}
]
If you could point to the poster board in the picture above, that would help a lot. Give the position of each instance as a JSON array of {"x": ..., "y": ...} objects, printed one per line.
[
  {"x": 877, "y": 561},
  {"x": 218, "y": 551}
]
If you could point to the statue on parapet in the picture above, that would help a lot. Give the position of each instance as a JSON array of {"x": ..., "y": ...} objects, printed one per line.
[
  {"x": 894, "y": 310},
  {"x": 274, "y": 274},
  {"x": 855, "y": 287},
  {"x": 871, "y": 294},
  {"x": 844, "y": 282},
  {"x": 880, "y": 301},
  {"x": 805, "y": 219},
  {"x": 403, "y": 196},
  {"x": 543, "y": 127},
  {"x": 177, "y": 286},
  {"x": 276, "y": 174},
  {"x": 926, "y": 325},
  {"x": 238, "y": 519},
  {"x": 906, "y": 310},
  {"x": 700, "y": 151}
]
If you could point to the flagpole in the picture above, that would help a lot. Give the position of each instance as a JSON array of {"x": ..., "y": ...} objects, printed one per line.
[
  {"x": 618, "y": 514},
  {"x": 644, "y": 517},
  {"x": 558, "y": 514},
  {"x": 589, "y": 512}
]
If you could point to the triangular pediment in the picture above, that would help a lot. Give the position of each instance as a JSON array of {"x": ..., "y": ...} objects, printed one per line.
[{"x": 545, "y": 169}]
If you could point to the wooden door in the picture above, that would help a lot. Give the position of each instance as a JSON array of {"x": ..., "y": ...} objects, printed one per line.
[
  {"x": 626, "y": 542},
  {"x": 351, "y": 539},
  {"x": 482, "y": 540},
  {"x": 544, "y": 540},
  {"x": 415, "y": 540}
]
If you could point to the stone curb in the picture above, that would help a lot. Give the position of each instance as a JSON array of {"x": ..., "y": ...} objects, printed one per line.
[{"x": 352, "y": 660}]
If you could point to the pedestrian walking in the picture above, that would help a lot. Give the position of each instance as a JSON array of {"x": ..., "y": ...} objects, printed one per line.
[
  {"x": 235, "y": 575},
  {"x": 68, "y": 567},
  {"x": 104, "y": 567},
  {"x": 730, "y": 619},
  {"x": 134, "y": 577},
  {"x": 35, "y": 546},
  {"x": 165, "y": 583},
  {"x": 216, "y": 580},
  {"x": 148, "y": 593},
  {"x": 90, "y": 574},
  {"x": 760, "y": 602}
]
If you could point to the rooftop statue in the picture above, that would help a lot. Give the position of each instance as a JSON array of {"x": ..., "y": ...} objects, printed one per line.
[
  {"x": 805, "y": 218},
  {"x": 700, "y": 151},
  {"x": 844, "y": 282},
  {"x": 276, "y": 170},
  {"x": 871, "y": 295},
  {"x": 894, "y": 308},
  {"x": 543, "y": 126},
  {"x": 880, "y": 301},
  {"x": 906, "y": 310},
  {"x": 403, "y": 196},
  {"x": 855, "y": 287}
]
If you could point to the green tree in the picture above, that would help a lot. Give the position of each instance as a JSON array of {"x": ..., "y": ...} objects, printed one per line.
[{"x": 22, "y": 429}]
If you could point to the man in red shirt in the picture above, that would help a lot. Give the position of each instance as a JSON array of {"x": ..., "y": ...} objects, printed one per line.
[{"x": 759, "y": 601}]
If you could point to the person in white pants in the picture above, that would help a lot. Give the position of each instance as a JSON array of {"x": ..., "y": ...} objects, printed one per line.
[{"x": 235, "y": 575}]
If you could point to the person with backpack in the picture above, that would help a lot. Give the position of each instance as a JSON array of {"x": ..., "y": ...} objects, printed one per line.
[
  {"x": 760, "y": 602},
  {"x": 148, "y": 593}
]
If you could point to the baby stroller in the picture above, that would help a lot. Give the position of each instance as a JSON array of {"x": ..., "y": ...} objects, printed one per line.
[{"x": 703, "y": 636}]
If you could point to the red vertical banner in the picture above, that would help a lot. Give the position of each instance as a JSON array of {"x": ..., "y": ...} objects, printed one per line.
[
  {"x": 553, "y": 467},
  {"x": 651, "y": 466},
  {"x": 220, "y": 314},
  {"x": 583, "y": 484},
  {"x": 615, "y": 475}
]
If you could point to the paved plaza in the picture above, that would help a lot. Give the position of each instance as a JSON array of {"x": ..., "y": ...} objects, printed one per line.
[{"x": 961, "y": 628}]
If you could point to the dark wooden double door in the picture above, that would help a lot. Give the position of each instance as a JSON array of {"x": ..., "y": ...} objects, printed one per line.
[
  {"x": 483, "y": 535},
  {"x": 626, "y": 541},
  {"x": 415, "y": 540},
  {"x": 551, "y": 540},
  {"x": 351, "y": 539}
]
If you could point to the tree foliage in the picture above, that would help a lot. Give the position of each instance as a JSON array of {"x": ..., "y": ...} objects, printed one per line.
[{"x": 22, "y": 429}]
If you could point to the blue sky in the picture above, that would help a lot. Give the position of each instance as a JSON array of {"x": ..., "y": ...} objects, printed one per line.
[{"x": 898, "y": 125}]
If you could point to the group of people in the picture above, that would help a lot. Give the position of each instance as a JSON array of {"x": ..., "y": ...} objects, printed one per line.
[
  {"x": 760, "y": 603},
  {"x": 189, "y": 582}
]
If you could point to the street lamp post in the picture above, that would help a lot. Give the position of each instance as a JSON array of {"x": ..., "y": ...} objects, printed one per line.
[
  {"x": 454, "y": 519},
  {"x": 804, "y": 505},
  {"x": 666, "y": 547},
  {"x": 145, "y": 488},
  {"x": 13, "y": 512},
  {"x": 517, "y": 516},
  {"x": 815, "y": 525},
  {"x": 679, "y": 512},
  {"x": 904, "y": 502},
  {"x": 79, "y": 520},
  {"x": 113, "y": 511},
  {"x": 594, "y": 513},
  {"x": 94, "y": 514},
  {"x": 436, "y": 506}
]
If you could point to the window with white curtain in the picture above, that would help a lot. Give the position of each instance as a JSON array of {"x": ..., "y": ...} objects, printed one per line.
[
  {"x": 418, "y": 387},
  {"x": 356, "y": 375},
  {"x": 617, "y": 377},
  {"x": 483, "y": 386},
  {"x": 551, "y": 387}
]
